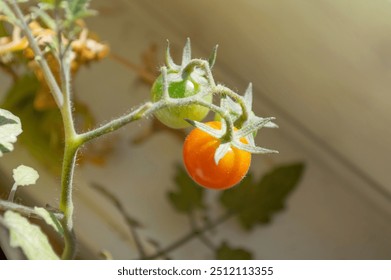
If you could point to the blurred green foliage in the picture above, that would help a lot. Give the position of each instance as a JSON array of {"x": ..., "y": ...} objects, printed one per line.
[
  {"x": 42, "y": 130},
  {"x": 188, "y": 196},
  {"x": 253, "y": 201},
  {"x": 256, "y": 201},
  {"x": 226, "y": 252}
]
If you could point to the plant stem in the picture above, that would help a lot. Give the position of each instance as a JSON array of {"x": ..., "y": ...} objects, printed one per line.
[
  {"x": 12, "y": 192},
  {"x": 39, "y": 57},
  {"x": 132, "y": 224},
  {"x": 66, "y": 200},
  {"x": 202, "y": 237},
  {"x": 24, "y": 210},
  {"x": 72, "y": 142},
  {"x": 203, "y": 65},
  {"x": 189, "y": 236},
  {"x": 136, "y": 114},
  {"x": 222, "y": 90},
  {"x": 218, "y": 89}
]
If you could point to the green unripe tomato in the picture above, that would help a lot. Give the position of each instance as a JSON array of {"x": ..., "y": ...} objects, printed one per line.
[{"x": 175, "y": 116}]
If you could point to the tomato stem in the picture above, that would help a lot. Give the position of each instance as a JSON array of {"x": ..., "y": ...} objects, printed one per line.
[
  {"x": 49, "y": 77},
  {"x": 202, "y": 237},
  {"x": 202, "y": 64}
]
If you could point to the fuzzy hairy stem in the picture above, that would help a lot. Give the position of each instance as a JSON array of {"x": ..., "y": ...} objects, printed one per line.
[
  {"x": 49, "y": 77},
  {"x": 66, "y": 200},
  {"x": 149, "y": 108},
  {"x": 217, "y": 89},
  {"x": 24, "y": 210},
  {"x": 72, "y": 142},
  {"x": 222, "y": 90}
]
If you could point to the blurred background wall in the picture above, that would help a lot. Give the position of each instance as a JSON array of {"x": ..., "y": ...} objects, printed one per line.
[{"x": 321, "y": 67}]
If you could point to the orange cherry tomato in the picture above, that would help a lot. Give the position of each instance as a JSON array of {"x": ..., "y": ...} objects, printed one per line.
[{"x": 198, "y": 155}]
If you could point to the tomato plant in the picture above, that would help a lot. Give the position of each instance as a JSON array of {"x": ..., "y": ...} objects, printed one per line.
[
  {"x": 178, "y": 87},
  {"x": 216, "y": 157},
  {"x": 198, "y": 155}
]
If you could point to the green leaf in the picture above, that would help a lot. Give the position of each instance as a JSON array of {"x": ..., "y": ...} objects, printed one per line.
[
  {"x": 77, "y": 9},
  {"x": 256, "y": 202},
  {"x": 50, "y": 219},
  {"x": 188, "y": 196},
  {"x": 10, "y": 128},
  {"x": 225, "y": 252},
  {"x": 76, "y": 6},
  {"x": 28, "y": 237}
]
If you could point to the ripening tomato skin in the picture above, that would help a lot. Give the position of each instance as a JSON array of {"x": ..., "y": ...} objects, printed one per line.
[
  {"x": 175, "y": 116},
  {"x": 198, "y": 155}
]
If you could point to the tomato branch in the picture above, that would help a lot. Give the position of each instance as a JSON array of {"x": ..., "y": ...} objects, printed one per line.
[
  {"x": 202, "y": 237},
  {"x": 39, "y": 57},
  {"x": 132, "y": 224},
  {"x": 189, "y": 236},
  {"x": 24, "y": 210}
]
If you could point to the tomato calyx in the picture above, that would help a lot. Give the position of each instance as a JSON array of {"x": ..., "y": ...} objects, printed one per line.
[
  {"x": 239, "y": 115},
  {"x": 184, "y": 90},
  {"x": 237, "y": 122},
  {"x": 233, "y": 137},
  {"x": 186, "y": 57}
]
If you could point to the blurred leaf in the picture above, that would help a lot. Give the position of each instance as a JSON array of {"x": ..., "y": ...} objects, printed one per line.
[
  {"x": 47, "y": 3},
  {"x": 188, "y": 195},
  {"x": 255, "y": 203},
  {"x": 106, "y": 255},
  {"x": 10, "y": 128},
  {"x": 3, "y": 31},
  {"x": 28, "y": 237},
  {"x": 50, "y": 219},
  {"x": 225, "y": 252},
  {"x": 78, "y": 6},
  {"x": 25, "y": 175},
  {"x": 77, "y": 9},
  {"x": 43, "y": 131}
]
